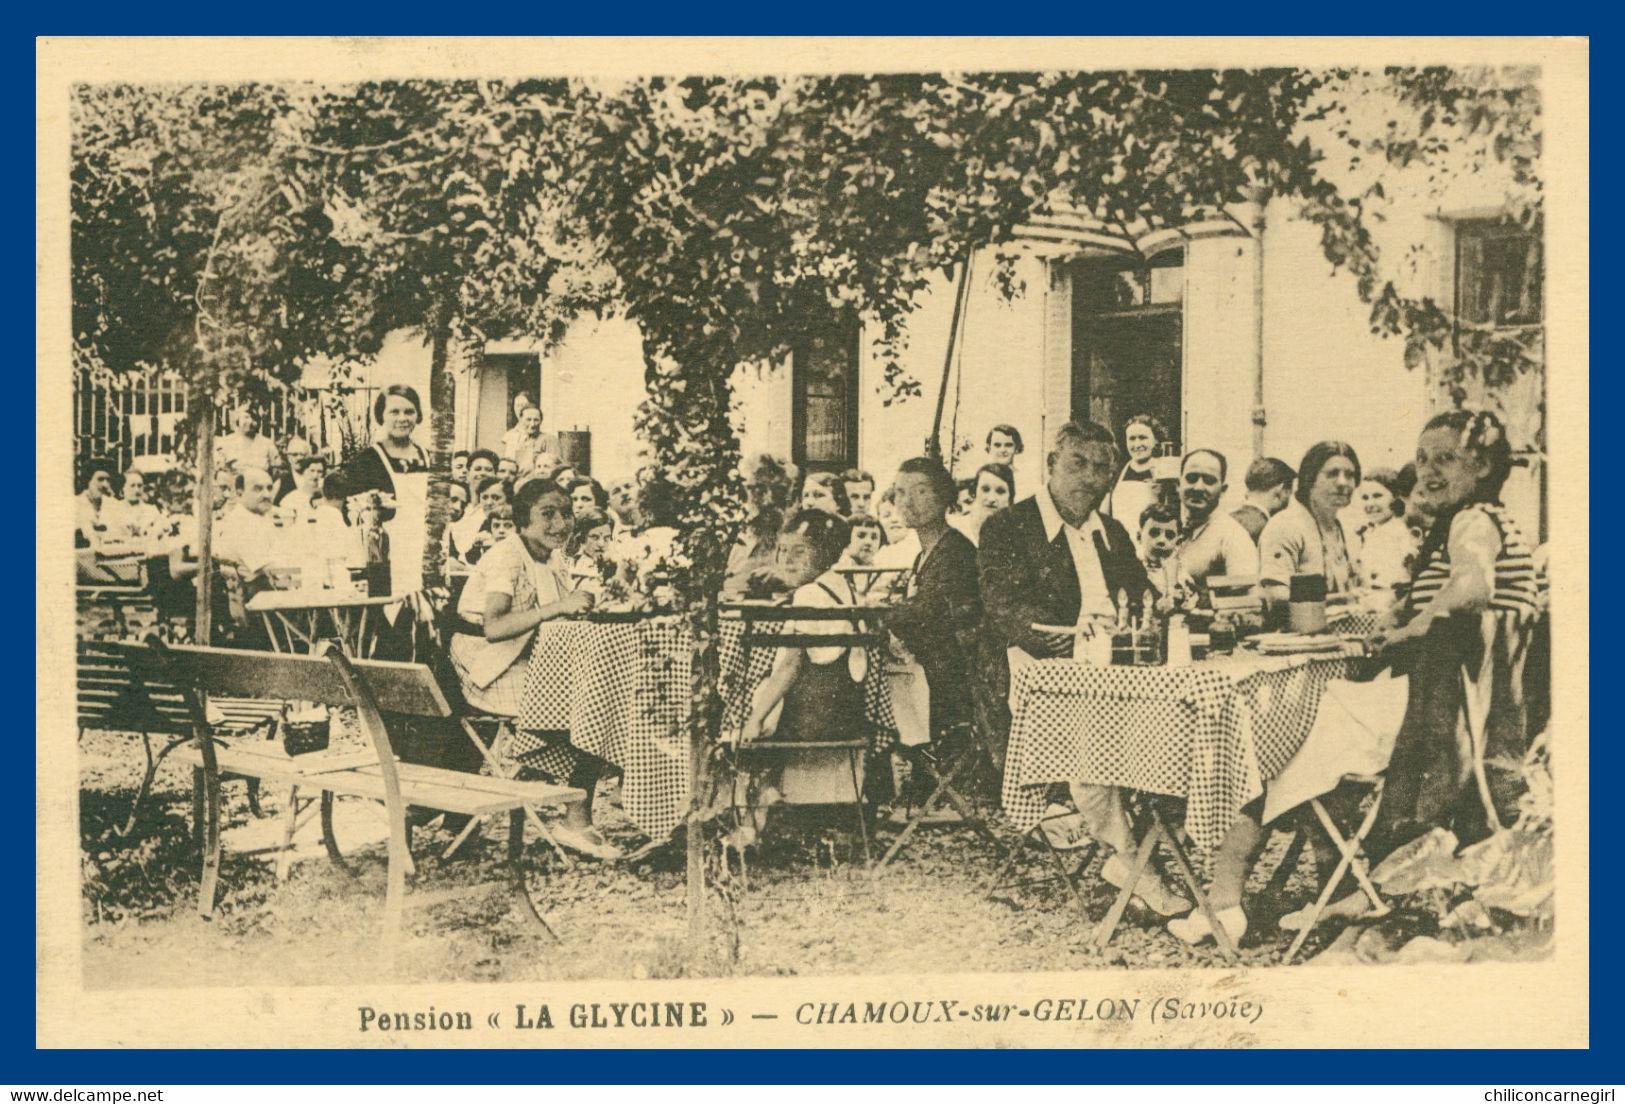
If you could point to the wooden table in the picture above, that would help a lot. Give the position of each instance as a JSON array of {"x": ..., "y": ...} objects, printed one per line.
[
  {"x": 300, "y": 614},
  {"x": 94, "y": 569}
]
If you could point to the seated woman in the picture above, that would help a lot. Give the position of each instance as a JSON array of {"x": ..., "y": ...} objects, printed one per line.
[
  {"x": 1458, "y": 638},
  {"x": 587, "y": 495},
  {"x": 1306, "y": 538},
  {"x": 812, "y": 694},
  {"x": 825, "y": 491},
  {"x": 1461, "y": 635},
  {"x": 940, "y": 616},
  {"x": 768, "y": 482},
  {"x": 520, "y": 584},
  {"x": 864, "y": 542},
  {"x": 995, "y": 489},
  {"x": 491, "y": 493},
  {"x": 1386, "y": 543}
]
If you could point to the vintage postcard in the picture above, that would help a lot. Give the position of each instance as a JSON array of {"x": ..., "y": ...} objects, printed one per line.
[{"x": 813, "y": 543}]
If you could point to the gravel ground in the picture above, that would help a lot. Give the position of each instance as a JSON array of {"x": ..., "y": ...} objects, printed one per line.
[{"x": 804, "y": 906}]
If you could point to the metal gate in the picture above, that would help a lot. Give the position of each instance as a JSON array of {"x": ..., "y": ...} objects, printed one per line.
[{"x": 124, "y": 420}]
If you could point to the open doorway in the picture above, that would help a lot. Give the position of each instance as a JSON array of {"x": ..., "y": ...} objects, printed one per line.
[
  {"x": 502, "y": 377},
  {"x": 1127, "y": 339}
]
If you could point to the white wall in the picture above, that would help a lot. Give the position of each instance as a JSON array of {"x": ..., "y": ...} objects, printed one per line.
[
  {"x": 997, "y": 379},
  {"x": 1219, "y": 361},
  {"x": 1326, "y": 375}
]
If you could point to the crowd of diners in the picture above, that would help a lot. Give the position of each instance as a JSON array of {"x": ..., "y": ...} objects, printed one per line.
[{"x": 976, "y": 574}]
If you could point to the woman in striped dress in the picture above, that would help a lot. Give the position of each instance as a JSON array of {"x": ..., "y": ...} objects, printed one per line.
[
  {"x": 1461, "y": 635},
  {"x": 1464, "y": 634}
]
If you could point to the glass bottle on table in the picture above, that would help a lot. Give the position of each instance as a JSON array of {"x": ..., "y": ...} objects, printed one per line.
[{"x": 375, "y": 544}]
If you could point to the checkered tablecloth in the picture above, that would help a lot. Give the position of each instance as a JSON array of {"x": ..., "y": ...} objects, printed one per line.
[
  {"x": 1211, "y": 732},
  {"x": 621, "y": 692}
]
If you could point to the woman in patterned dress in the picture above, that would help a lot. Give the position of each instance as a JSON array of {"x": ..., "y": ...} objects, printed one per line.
[
  {"x": 520, "y": 583},
  {"x": 1461, "y": 634}
]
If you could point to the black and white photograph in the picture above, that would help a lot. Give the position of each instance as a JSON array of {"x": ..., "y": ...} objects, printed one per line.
[{"x": 691, "y": 540}]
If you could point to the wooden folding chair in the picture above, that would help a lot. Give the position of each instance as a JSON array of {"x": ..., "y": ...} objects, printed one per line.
[
  {"x": 1352, "y": 859},
  {"x": 500, "y": 763},
  {"x": 1151, "y": 829},
  {"x": 1037, "y": 835},
  {"x": 969, "y": 758},
  {"x": 497, "y": 751},
  {"x": 765, "y": 628}
]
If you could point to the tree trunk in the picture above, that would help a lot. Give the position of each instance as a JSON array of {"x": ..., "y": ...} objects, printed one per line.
[
  {"x": 203, "y": 404},
  {"x": 702, "y": 656},
  {"x": 442, "y": 438}
]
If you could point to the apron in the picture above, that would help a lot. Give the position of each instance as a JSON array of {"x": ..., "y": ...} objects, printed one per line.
[
  {"x": 406, "y": 528},
  {"x": 826, "y": 699}
]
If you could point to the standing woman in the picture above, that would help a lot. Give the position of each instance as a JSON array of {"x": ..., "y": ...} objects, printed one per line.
[
  {"x": 397, "y": 413},
  {"x": 1136, "y": 486},
  {"x": 1306, "y": 538},
  {"x": 396, "y": 467}
]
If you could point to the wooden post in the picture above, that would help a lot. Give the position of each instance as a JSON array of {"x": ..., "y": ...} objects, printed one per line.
[
  {"x": 204, "y": 505},
  {"x": 1260, "y": 417},
  {"x": 698, "y": 751},
  {"x": 933, "y": 444}
]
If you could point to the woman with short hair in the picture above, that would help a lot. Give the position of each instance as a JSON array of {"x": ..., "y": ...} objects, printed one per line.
[
  {"x": 1136, "y": 487},
  {"x": 825, "y": 491},
  {"x": 1307, "y": 538},
  {"x": 995, "y": 489},
  {"x": 397, "y": 412},
  {"x": 1386, "y": 544},
  {"x": 520, "y": 584}
]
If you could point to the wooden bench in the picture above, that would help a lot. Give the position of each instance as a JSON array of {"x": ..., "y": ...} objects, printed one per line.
[
  {"x": 112, "y": 698},
  {"x": 332, "y": 679}
]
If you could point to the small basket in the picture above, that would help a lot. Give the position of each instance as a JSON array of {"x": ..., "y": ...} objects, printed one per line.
[{"x": 304, "y": 737}]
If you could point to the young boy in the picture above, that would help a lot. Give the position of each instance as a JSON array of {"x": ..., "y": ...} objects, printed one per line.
[{"x": 1159, "y": 536}]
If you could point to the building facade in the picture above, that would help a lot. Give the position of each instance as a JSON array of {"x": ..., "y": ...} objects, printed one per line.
[{"x": 1230, "y": 349}]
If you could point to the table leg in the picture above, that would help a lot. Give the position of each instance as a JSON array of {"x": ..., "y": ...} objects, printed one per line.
[
  {"x": 857, "y": 798},
  {"x": 361, "y": 649},
  {"x": 1221, "y": 934},
  {"x": 1150, "y": 828},
  {"x": 209, "y": 884},
  {"x": 290, "y": 825},
  {"x": 270, "y": 632},
  {"x": 329, "y": 839}
]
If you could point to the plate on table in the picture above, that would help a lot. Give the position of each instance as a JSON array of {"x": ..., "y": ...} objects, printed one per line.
[{"x": 1297, "y": 643}]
